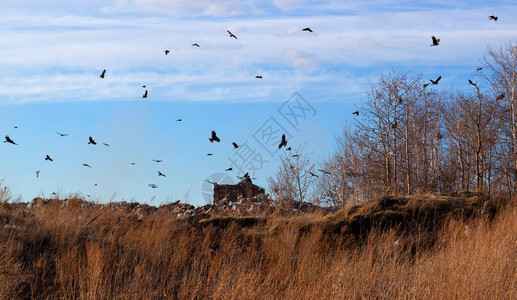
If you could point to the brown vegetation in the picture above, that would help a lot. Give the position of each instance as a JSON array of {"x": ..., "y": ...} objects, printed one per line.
[{"x": 446, "y": 246}]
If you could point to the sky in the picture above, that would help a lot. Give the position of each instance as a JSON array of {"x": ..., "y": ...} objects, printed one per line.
[{"x": 52, "y": 53}]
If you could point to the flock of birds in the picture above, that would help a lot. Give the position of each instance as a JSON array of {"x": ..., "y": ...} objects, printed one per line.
[
  {"x": 436, "y": 42},
  {"x": 214, "y": 137}
]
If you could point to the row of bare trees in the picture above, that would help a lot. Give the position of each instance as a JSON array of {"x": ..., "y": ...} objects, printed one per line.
[{"x": 411, "y": 138}]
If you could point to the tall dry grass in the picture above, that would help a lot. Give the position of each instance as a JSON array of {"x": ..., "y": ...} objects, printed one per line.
[{"x": 52, "y": 252}]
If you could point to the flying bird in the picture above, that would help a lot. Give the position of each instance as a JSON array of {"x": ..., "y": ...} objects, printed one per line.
[
  {"x": 493, "y": 18},
  {"x": 312, "y": 174},
  {"x": 209, "y": 154},
  {"x": 231, "y": 34},
  {"x": 37, "y": 174},
  {"x": 62, "y": 134},
  {"x": 229, "y": 169},
  {"x": 283, "y": 142},
  {"x": 15, "y": 127},
  {"x": 152, "y": 185},
  {"x": 145, "y": 94},
  {"x": 288, "y": 149},
  {"x": 87, "y": 165},
  {"x": 258, "y": 77},
  {"x": 167, "y": 52},
  {"x": 132, "y": 164},
  {"x": 107, "y": 145},
  {"x": 435, "y": 81},
  {"x": 144, "y": 86},
  {"x": 356, "y": 113},
  {"x": 479, "y": 69},
  {"x": 157, "y": 160},
  {"x": 295, "y": 155},
  {"x": 472, "y": 83},
  {"x": 103, "y": 73},
  {"x": 91, "y": 141},
  {"x": 9, "y": 140},
  {"x": 214, "y": 137},
  {"x": 326, "y": 172},
  {"x": 307, "y": 29},
  {"x": 196, "y": 45},
  {"x": 48, "y": 158},
  {"x": 500, "y": 97},
  {"x": 161, "y": 174},
  {"x": 179, "y": 120},
  {"x": 235, "y": 146},
  {"x": 436, "y": 41},
  {"x": 425, "y": 85}
]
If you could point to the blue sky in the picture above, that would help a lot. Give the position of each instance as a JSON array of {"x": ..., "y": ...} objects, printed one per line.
[{"x": 52, "y": 54}]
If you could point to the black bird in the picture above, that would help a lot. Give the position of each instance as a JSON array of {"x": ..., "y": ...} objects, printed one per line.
[
  {"x": 214, "y": 137},
  {"x": 235, "y": 146},
  {"x": 288, "y": 149},
  {"x": 209, "y": 154},
  {"x": 472, "y": 83},
  {"x": 258, "y": 77},
  {"x": 231, "y": 34},
  {"x": 107, "y": 145},
  {"x": 435, "y": 81},
  {"x": 500, "y": 97},
  {"x": 145, "y": 94},
  {"x": 283, "y": 142},
  {"x": 295, "y": 155},
  {"x": 312, "y": 174},
  {"x": 87, "y": 165},
  {"x": 152, "y": 185},
  {"x": 37, "y": 174},
  {"x": 196, "y": 45},
  {"x": 48, "y": 158},
  {"x": 62, "y": 134},
  {"x": 479, "y": 69},
  {"x": 15, "y": 127},
  {"x": 356, "y": 113},
  {"x": 436, "y": 41},
  {"x": 229, "y": 169},
  {"x": 157, "y": 160},
  {"x": 307, "y": 29},
  {"x": 91, "y": 141},
  {"x": 425, "y": 85},
  {"x": 9, "y": 140},
  {"x": 103, "y": 73},
  {"x": 132, "y": 164},
  {"x": 246, "y": 176},
  {"x": 144, "y": 86},
  {"x": 324, "y": 171},
  {"x": 161, "y": 174},
  {"x": 167, "y": 52},
  {"x": 493, "y": 18},
  {"x": 179, "y": 120}
]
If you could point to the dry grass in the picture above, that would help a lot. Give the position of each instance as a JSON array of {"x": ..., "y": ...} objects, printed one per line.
[{"x": 461, "y": 247}]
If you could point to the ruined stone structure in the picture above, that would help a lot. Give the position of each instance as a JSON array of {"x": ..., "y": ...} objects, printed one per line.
[{"x": 230, "y": 192}]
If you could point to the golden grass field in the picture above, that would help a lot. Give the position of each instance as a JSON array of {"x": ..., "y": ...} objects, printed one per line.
[{"x": 423, "y": 247}]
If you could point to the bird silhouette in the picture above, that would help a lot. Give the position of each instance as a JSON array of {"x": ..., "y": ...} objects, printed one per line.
[
  {"x": 472, "y": 83},
  {"x": 356, "y": 113},
  {"x": 323, "y": 171},
  {"x": 91, "y": 141},
  {"x": 37, "y": 174},
  {"x": 157, "y": 160},
  {"x": 179, "y": 120},
  {"x": 107, "y": 145},
  {"x": 87, "y": 165},
  {"x": 48, "y": 158},
  {"x": 493, "y": 18},
  {"x": 152, "y": 185},
  {"x": 209, "y": 154},
  {"x": 9, "y": 140},
  {"x": 167, "y": 52},
  {"x": 103, "y": 73},
  {"x": 161, "y": 174},
  {"x": 307, "y": 29},
  {"x": 312, "y": 174},
  {"x": 283, "y": 142},
  {"x": 62, "y": 134},
  {"x": 288, "y": 149},
  {"x": 231, "y": 34},
  {"x": 196, "y": 45},
  {"x": 479, "y": 69},
  {"x": 500, "y": 97},
  {"x": 214, "y": 137},
  {"x": 295, "y": 155},
  {"x": 235, "y": 146},
  {"x": 229, "y": 169},
  {"x": 425, "y": 85},
  {"x": 145, "y": 94},
  {"x": 435, "y": 81},
  {"x": 132, "y": 163},
  {"x": 258, "y": 77},
  {"x": 436, "y": 41}
]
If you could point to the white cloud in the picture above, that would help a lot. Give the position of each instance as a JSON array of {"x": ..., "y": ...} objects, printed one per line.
[{"x": 288, "y": 4}]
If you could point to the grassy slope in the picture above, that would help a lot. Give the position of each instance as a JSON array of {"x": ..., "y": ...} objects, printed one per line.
[{"x": 455, "y": 246}]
